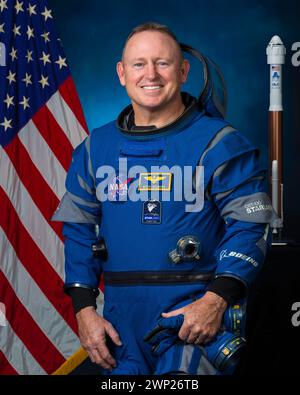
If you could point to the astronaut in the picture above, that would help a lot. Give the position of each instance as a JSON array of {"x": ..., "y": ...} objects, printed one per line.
[{"x": 176, "y": 270}]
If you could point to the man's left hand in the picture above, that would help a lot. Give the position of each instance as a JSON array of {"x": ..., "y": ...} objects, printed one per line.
[{"x": 202, "y": 318}]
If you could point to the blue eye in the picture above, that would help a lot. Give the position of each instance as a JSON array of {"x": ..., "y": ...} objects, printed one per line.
[
  {"x": 138, "y": 65},
  {"x": 162, "y": 63}
]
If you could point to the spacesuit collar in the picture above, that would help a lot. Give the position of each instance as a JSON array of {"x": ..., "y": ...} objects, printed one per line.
[{"x": 125, "y": 121}]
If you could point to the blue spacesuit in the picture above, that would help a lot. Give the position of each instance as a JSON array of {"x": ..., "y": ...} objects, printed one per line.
[{"x": 145, "y": 272}]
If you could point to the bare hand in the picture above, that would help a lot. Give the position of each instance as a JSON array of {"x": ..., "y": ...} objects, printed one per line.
[
  {"x": 92, "y": 333},
  {"x": 202, "y": 318}
]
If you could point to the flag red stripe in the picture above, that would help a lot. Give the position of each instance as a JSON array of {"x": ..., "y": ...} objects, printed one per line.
[
  {"x": 70, "y": 96},
  {"x": 28, "y": 331},
  {"x": 35, "y": 262},
  {"x": 39, "y": 190},
  {"x": 54, "y": 136},
  {"x": 5, "y": 366}
]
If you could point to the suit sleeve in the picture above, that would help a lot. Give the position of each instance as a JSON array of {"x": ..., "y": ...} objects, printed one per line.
[
  {"x": 80, "y": 211},
  {"x": 236, "y": 185}
]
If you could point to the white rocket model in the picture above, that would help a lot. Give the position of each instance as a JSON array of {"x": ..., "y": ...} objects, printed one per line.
[{"x": 276, "y": 57}]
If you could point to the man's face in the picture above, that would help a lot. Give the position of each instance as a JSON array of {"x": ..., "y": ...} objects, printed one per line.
[{"x": 152, "y": 70}]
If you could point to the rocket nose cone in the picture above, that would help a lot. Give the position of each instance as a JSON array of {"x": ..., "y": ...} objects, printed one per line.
[
  {"x": 276, "y": 40},
  {"x": 276, "y": 51}
]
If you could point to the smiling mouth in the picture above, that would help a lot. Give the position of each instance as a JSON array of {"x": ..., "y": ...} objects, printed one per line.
[{"x": 152, "y": 87}]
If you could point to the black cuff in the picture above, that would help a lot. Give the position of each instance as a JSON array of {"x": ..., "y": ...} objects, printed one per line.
[
  {"x": 228, "y": 288},
  {"x": 82, "y": 297}
]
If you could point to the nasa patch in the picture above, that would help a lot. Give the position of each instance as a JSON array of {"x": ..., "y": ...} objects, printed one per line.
[
  {"x": 151, "y": 212},
  {"x": 118, "y": 188}
]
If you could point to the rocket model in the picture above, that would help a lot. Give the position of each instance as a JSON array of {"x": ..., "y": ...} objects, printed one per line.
[{"x": 276, "y": 56}]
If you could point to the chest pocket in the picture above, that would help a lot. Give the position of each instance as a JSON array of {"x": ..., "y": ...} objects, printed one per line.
[
  {"x": 147, "y": 166},
  {"x": 142, "y": 152}
]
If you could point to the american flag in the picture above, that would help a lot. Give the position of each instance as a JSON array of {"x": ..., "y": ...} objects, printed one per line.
[{"x": 41, "y": 121}]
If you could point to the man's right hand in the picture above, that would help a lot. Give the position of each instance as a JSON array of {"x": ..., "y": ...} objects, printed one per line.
[{"x": 92, "y": 333}]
